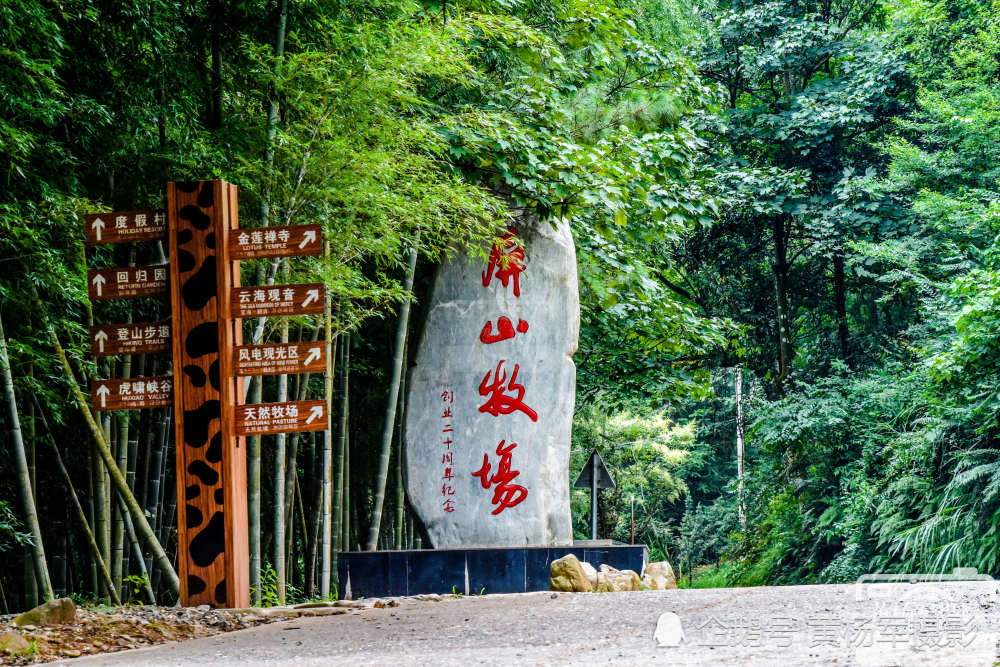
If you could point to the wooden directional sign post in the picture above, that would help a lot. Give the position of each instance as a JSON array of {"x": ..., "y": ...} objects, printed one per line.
[
  {"x": 126, "y": 282},
  {"x": 204, "y": 335},
  {"x": 276, "y": 242},
  {"x": 125, "y": 226},
  {"x": 212, "y": 539},
  {"x": 281, "y": 417},
  {"x": 280, "y": 358},
  {"x": 132, "y": 394},
  {"x": 278, "y": 300},
  {"x": 133, "y": 338}
]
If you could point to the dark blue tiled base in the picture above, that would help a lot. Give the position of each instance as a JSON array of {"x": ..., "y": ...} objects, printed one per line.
[{"x": 490, "y": 570}]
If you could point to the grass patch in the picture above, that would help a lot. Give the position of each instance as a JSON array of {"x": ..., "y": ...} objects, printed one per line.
[{"x": 710, "y": 576}]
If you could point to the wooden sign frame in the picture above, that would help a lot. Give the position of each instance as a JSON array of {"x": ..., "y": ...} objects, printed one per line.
[
  {"x": 280, "y": 358},
  {"x": 125, "y": 226},
  {"x": 278, "y": 300},
  {"x": 308, "y": 416},
  {"x": 108, "y": 340},
  {"x": 136, "y": 393},
  {"x": 127, "y": 282},
  {"x": 288, "y": 241},
  {"x": 212, "y": 534}
]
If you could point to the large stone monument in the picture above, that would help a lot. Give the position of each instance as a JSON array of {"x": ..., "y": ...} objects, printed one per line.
[{"x": 490, "y": 399}]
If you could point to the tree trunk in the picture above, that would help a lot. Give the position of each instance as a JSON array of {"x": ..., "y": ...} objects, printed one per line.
[
  {"x": 786, "y": 352},
  {"x": 840, "y": 303},
  {"x": 391, "y": 401},
  {"x": 740, "y": 447},
  {"x": 24, "y": 477}
]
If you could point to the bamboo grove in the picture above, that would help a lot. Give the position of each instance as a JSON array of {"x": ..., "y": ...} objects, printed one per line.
[{"x": 785, "y": 216}]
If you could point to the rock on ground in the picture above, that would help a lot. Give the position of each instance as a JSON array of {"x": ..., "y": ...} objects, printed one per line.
[
  {"x": 659, "y": 576},
  {"x": 567, "y": 574},
  {"x": 52, "y": 612},
  {"x": 12, "y": 644},
  {"x": 610, "y": 580}
]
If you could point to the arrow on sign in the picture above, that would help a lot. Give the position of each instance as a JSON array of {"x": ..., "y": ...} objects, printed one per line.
[
  {"x": 311, "y": 295},
  {"x": 308, "y": 237},
  {"x": 97, "y": 225},
  {"x": 100, "y": 337},
  {"x": 315, "y": 413},
  {"x": 103, "y": 392},
  {"x": 312, "y": 356},
  {"x": 99, "y": 282}
]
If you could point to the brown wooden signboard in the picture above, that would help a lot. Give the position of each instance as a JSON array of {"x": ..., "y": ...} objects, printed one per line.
[
  {"x": 129, "y": 338},
  {"x": 290, "y": 417},
  {"x": 127, "y": 282},
  {"x": 304, "y": 299},
  {"x": 132, "y": 394},
  {"x": 280, "y": 358},
  {"x": 290, "y": 241},
  {"x": 125, "y": 226}
]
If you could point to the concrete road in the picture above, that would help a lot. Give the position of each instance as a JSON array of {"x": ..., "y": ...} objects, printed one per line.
[{"x": 881, "y": 624}]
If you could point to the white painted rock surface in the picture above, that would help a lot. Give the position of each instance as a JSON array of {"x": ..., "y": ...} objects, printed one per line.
[{"x": 490, "y": 397}]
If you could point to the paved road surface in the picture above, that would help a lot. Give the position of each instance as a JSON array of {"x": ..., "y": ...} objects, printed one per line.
[{"x": 882, "y": 624}]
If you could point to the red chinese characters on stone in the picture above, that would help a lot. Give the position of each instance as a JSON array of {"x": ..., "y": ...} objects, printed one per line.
[
  {"x": 505, "y": 330},
  {"x": 506, "y": 262},
  {"x": 505, "y": 494},
  {"x": 500, "y": 403}
]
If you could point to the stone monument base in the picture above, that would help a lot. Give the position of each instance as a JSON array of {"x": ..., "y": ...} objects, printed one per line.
[{"x": 471, "y": 571}]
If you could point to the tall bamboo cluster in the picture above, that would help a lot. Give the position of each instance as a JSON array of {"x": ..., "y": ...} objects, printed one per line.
[{"x": 114, "y": 537}]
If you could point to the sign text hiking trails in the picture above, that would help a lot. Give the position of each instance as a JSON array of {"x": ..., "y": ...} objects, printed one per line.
[{"x": 204, "y": 334}]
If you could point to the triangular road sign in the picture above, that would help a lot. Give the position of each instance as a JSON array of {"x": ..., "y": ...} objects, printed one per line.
[{"x": 586, "y": 475}]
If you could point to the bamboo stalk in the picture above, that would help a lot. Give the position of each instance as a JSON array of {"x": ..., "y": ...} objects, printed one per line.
[
  {"x": 102, "y": 566},
  {"x": 116, "y": 475},
  {"x": 24, "y": 478},
  {"x": 391, "y": 402},
  {"x": 278, "y": 516},
  {"x": 147, "y": 583},
  {"x": 340, "y": 530},
  {"x": 330, "y": 534},
  {"x": 94, "y": 587},
  {"x": 101, "y": 487}
]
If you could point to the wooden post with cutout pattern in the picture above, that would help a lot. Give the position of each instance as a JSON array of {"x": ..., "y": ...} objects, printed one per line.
[{"x": 212, "y": 541}]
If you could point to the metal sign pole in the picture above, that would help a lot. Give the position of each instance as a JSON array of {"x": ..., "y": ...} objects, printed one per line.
[{"x": 593, "y": 498}]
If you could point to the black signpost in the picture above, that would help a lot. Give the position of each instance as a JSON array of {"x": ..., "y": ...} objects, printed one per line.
[{"x": 594, "y": 475}]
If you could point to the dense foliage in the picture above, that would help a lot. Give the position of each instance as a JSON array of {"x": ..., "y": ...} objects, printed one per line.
[{"x": 805, "y": 190}]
